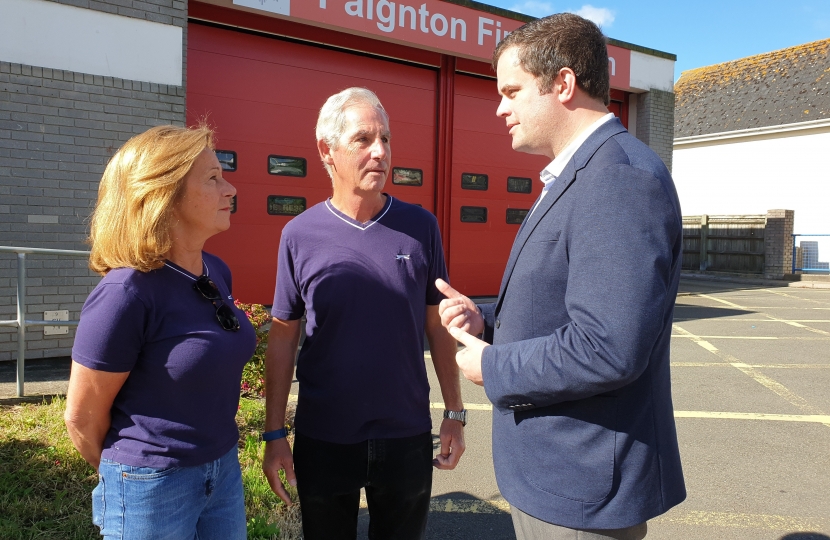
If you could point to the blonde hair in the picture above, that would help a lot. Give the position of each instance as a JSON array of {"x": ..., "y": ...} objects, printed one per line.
[{"x": 130, "y": 227}]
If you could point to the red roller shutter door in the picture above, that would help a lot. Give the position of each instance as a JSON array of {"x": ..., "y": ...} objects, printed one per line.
[
  {"x": 263, "y": 95},
  {"x": 619, "y": 105},
  {"x": 482, "y": 146}
]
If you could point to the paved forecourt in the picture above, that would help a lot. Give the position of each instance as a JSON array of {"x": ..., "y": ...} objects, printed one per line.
[{"x": 751, "y": 388}]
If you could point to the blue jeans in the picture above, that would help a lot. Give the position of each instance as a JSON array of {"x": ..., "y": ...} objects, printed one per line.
[{"x": 179, "y": 503}]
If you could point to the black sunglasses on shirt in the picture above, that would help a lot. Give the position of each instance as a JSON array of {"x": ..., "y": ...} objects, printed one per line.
[{"x": 224, "y": 314}]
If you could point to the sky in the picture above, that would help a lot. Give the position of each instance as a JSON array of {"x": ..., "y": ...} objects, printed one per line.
[{"x": 700, "y": 33}]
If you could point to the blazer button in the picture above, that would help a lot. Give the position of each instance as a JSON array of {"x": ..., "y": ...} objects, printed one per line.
[{"x": 498, "y": 323}]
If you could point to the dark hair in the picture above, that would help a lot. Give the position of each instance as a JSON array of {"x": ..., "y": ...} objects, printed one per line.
[{"x": 547, "y": 45}]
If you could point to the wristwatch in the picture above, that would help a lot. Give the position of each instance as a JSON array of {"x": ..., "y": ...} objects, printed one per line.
[{"x": 461, "y": 415}]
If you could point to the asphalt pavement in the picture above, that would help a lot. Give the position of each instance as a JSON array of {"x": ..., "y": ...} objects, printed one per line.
[{"x": 751, "y": 390}]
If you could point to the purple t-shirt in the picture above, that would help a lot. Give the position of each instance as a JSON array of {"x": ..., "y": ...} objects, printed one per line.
[
  {"x": 365, "y": 288},
  {"x": 178, "y": 405}
]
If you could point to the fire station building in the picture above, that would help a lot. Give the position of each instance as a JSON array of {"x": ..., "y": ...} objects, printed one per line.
[{"x": 80, "y": 77}]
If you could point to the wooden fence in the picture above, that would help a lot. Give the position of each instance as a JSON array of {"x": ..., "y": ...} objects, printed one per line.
[{"x": 724, "y": 243}]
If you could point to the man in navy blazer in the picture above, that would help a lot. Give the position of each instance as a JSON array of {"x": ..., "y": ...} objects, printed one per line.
[{"x": 578, "y": 371}]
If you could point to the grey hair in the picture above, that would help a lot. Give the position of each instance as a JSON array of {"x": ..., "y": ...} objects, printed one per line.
[{"x": 331, "y": 123}]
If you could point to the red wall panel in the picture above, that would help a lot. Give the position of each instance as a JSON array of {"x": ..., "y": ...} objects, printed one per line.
[
  {"x": 482, "y": 145},
  {"x": 262, "y": 95}
]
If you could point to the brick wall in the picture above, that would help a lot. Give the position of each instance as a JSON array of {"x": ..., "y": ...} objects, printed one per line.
[
  {"x": 778, "y": 243},
  {"x": 655, "y": 122},
  {"x": 58, "y": 129}
]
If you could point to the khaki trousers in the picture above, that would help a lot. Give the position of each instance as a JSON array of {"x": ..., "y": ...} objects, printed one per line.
[{"x": 530, "y": 528}]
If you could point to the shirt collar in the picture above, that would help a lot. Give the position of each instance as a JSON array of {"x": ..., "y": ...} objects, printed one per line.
[{"x": 555, "y": 167}]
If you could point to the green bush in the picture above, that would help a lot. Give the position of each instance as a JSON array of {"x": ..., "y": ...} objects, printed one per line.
[
  {"x": 268, "y": 517},
  {"x": 253, "y": 376}
]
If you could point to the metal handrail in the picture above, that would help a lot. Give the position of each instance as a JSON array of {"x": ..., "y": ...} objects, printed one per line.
[
  {"x": 21, "y": 323},
  {"x": 795, "y": 251}
]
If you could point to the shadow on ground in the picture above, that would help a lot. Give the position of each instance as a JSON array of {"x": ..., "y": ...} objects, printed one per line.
[
  {"x": 805, "y": 536},
  {"x": 466, "y": 517},
  {"x": 44, "y": 377},
  {"x": 689, "y": 312},
  {"x": 37, "y": 370}
]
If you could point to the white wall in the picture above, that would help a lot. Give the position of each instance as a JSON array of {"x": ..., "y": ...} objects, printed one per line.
[
  {"x": 648, "y": 72},
  {"x": 756, "y": 173},
  {"x": 51, "y": 35}
]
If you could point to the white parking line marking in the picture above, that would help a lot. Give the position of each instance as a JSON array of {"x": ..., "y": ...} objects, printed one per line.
[
  {"x": 743, "y": 319},
  {"x": 731, "y": 520},
  {"x": 779, "y": 293},
  {"x": 468, "y": 406},
  {"x": 753, "y": 373},
  {"x": 768, "y": 338},
  {"x": 716, "y": 299},
  {"x": 743, "y": 521},
  {"x": 810, "y": 418},
  {"x": 762, "y": 366},
  {"x": 798, "y": 325},
  {"x": 749, "y": 309}
]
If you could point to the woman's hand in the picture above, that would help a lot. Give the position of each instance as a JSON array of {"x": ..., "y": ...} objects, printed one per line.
[{"x": 88, "y": 404}]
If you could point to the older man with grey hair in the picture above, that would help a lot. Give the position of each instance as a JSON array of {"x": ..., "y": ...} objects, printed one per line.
[{"x": 362, "y": 265}]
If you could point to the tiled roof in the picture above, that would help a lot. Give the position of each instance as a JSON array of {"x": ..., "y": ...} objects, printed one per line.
[{"x": 772, "y": 89}]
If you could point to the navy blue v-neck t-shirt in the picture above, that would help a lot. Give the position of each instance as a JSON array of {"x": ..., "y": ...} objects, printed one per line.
[
  {"x": 178, "y": 405},
  {"x": 365, "y": 288}
]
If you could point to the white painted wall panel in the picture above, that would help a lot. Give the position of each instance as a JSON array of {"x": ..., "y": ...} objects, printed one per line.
[
  {"x": 649, "y": 72},
  {"x": 51, "y": 35},
  {"x": 753, "y": 176}
]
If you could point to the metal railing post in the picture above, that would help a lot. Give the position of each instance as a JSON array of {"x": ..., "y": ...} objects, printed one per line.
[
  {"x": 704, "y": 242},
  {"x": 794, "y": 253},
  {"x": 21, "y": 321}
]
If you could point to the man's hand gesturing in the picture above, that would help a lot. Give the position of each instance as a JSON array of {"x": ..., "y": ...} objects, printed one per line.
[
  {"x": 458, "y": 311},
  {"x": 463, "y": 321}
]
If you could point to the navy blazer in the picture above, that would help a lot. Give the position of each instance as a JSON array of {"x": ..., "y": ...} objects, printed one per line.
[{"x": 578, "y": 370}]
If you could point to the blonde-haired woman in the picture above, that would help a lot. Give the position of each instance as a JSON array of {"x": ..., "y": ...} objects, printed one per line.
[{"x": 159, "y": 351}]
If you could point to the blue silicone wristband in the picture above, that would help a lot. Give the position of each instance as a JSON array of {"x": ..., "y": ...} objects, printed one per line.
[{"x": 269, "y": 436}]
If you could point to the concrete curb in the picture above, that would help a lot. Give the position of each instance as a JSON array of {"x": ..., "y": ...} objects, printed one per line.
[
  {"x": 35, "y": 399},
  {"x": 756, "y": 281}
]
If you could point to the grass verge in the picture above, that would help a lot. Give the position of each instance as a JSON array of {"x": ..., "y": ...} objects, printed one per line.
[{"x": 45, "y": 486}]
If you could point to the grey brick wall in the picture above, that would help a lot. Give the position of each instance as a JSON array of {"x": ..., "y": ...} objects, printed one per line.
[
  {"x": 655, "y": 122},
  {"x": 778, "y": 243},
  {"x": 58, "y": 129}
]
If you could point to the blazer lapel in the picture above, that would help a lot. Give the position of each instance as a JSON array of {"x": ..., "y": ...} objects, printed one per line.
[
  {"x": 563, "y": 181},
  {"x": 529, "y": 224}
]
